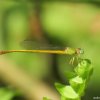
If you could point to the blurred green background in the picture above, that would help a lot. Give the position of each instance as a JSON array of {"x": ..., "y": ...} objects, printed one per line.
[{"x": 74, "y": 23}]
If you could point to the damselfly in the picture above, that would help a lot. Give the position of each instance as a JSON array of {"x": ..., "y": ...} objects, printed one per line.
[{"x": 67, "y": 51}]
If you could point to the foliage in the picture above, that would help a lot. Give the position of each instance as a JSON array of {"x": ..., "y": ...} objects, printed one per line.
[
  {"x": 78, "y": 80},
  {"x": 45, "y": 98},
  {"x": 6, "y": 94}
]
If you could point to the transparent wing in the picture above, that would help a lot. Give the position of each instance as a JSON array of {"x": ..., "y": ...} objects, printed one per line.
[{"x": 31, "y": 44}]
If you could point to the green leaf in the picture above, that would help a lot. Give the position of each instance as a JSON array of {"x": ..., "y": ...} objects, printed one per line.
[
  {"x": 45, "y": 98},
  {"x": 78, "y": 84},
  {"x": 84, "y": 69},
  {"x": 63, "y": 98},
  {"x": 5, "y": 94},
  {"x": 67, "y": 92}
]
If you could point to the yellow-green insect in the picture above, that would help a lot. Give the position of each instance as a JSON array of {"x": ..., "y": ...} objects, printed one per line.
[{"x": 67, "y": 51}]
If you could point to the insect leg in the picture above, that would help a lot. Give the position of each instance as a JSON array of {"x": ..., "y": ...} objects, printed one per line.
[{"x": 72, "y": 60}]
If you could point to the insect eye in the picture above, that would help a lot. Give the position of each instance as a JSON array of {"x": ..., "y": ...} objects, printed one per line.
[{"x": 81, "y": 51}]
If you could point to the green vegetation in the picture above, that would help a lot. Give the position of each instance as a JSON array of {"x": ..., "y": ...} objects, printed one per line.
[{"x": 78, "y": 81}]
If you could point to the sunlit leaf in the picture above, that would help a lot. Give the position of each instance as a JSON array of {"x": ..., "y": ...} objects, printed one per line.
[
  {"x": 78, "y": 84},
  {"x": 67, "y": 91}
]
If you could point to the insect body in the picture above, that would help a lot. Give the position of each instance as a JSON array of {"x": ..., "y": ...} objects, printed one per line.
[
  {"x": 67, "y": 51},
  {"x": 72, "y": 51},
  {"x": 76, "y": 52}
]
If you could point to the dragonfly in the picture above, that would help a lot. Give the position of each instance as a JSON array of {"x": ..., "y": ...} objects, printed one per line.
[{"x": 67, "y": 51}]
